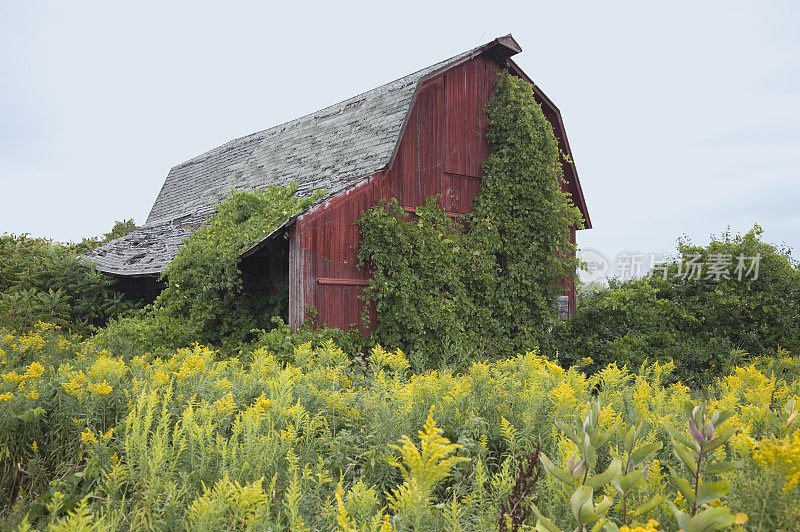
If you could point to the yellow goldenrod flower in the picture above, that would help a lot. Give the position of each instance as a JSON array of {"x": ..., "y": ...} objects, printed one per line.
[
  {"x": 6, "y": 396},
  {"x": 33, "y": 394},
  {"x": 781, "y": 455},
  {"x": 34, "y": 371},
  {"x": 13, "y": 378},
  {"x": 160, "y": 378},
  {"x": 34, "y": 446},
  {"x": 649, "y": 527},
  {"x": 102, "y": 388},
  {"x": 88, "y": 436},
  {"x": 108, "y": 434}
]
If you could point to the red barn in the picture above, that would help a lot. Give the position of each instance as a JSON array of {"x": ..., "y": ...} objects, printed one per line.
[{"x": 421, "y": 135}]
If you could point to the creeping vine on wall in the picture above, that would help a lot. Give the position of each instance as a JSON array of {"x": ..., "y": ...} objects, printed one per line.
[
  {"x": 204, "y": 280},
  {"x": 485, "y": 285}
]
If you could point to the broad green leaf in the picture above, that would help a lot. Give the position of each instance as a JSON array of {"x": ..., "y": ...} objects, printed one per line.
[
  {"x": 680, "y": 516},
  {"x": 685, "y": 488},
  {"x": 631, "y": 481},
  {"x": 722, "y": 467},
  {"x": 678, "y": 437},
  {"x": 687, "y": 457},
  {"x": 723, "y": 417},
  {"x": 630, "y": 438},
  {"x": 570, "y": 432},
  {"x": 649, "y": 505},
  {"x": 711, "y": 491},
  {"x": 581, "y": 504},
  {"x": 641, "y": 454},
  {"x": 710, "y": 519},
  {"x": 544, "y": 524},
  {"x": 589, "y": 453},
  {"x": 721, "y": 438},
  {"x": 602, "y": 438},
  {"x": 603, "y": 505},
  {"x": 600, "y": 480},
  {"x": 555, "y": 470}
]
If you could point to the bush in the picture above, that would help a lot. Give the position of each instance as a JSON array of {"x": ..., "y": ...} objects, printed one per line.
[
  {"x": 41, "y": 280},
  {"x": 705, "y": 325}
]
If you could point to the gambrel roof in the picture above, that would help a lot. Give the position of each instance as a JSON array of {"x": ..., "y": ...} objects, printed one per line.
[{"x": 334, "y": 148}]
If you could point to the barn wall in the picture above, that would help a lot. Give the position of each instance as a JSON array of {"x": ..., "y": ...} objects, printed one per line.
[{"x": 441, "y": 152}]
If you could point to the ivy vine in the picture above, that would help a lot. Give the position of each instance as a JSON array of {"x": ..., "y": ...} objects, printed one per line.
[
  {"x": 485, "y": 285},
  {"x": 204, "y": 282}
]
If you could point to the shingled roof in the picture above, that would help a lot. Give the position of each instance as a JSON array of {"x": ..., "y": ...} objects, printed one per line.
[{"x": 334, "y": 148}]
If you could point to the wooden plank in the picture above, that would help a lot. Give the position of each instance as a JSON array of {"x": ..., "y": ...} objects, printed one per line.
[
  {"x": 467, "y": 90},
  {"x": 343, "y": 282}
]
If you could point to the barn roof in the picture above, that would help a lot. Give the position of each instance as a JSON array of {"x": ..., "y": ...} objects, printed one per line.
[{"x": 334, "y": 148}]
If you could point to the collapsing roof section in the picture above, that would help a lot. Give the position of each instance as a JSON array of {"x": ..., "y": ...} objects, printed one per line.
[{"x": 334, "y": 148}]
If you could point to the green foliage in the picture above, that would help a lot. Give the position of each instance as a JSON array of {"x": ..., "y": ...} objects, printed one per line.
[
  {"x": 41, "y": 280},
  {"x": 204, "y": 282},
  {"x": 705, "y": 325},
  {"x": 422, "y": 273},
  {"x": 447, "y": 291}
]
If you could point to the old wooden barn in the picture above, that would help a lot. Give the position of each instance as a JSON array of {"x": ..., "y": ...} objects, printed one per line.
[{"x": 421, "y": 135}]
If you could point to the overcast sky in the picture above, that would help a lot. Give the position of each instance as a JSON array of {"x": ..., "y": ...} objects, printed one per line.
[{"x": 683, "y": 118}]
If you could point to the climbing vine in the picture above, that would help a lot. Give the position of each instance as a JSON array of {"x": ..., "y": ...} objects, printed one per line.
[
  {"x": 204, "y": 282},
  {"x": 486, "y": 284}
]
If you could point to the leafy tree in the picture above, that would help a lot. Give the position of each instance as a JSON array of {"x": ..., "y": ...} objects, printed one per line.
[
  {"x": 704, "y": 324},
  {"x": 41, "y": 280}
]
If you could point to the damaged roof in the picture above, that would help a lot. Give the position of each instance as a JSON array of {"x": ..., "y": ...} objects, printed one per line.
[{"x": 334, "y": 148}]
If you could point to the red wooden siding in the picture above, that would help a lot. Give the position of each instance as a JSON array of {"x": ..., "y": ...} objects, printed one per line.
[{"x": 441, "y": 152}]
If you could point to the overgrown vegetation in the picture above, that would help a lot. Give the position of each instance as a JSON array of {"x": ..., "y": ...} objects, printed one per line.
[
  {"x": 706, "y": 325},
  {"x": 485, "y": 285},
  {"x": 319, "y": 441},
  {"x": 45, "y": 280},
  {"x": 204, "y": 300}
]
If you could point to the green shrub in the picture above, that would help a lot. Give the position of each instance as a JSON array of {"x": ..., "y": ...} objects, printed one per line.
[
  {"x": 706, "y": 326},
  {"x": 41, "y": 280}
]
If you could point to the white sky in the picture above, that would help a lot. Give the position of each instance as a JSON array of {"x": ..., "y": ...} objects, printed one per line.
[{"x": 683, "y": 119}]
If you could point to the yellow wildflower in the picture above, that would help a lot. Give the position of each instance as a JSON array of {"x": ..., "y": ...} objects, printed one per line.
[
  {"x": 781, "y": 455},
  {"x": 108, "y": 434},
  {"x": 191, "y": 366},
  {"x": 33, "y": 394},
  {"x": 6, "y": 396},
  {"x": 160, "y": 378},
  {"x": 35, "y": 446},
  {"x": 88, "y": 436},
  {"x": 649, "y": 527},
  {"x": 225, "y": 405},
  {"x": 563, "y": 395},
  {"x": 102, "y": 388},
  {"x": 75, "y": 383},
  {"x": 13, "y": 378},
  {"x": 34, "y": 371}
]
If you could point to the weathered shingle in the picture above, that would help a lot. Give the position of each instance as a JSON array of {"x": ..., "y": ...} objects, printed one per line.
[{"x": 333, "y": 148}]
